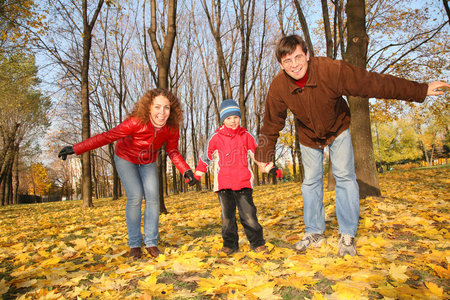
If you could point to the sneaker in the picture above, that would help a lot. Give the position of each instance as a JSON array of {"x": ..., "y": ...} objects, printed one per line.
[
  {"x": 228, "y": 251},
  {"x": 346, "y": 245},
  {"x": 310, "y": 240}
]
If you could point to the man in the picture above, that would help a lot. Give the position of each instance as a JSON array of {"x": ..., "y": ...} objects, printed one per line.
[{"x": 312, "y": 88}]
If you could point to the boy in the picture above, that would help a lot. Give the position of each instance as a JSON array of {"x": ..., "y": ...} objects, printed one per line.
[{"x": 230, "y": 148}]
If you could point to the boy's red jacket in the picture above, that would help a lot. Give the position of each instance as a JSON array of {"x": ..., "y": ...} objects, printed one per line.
[
  {"x": 230, "y": 152},
  {"x": 138, "y": 143}
]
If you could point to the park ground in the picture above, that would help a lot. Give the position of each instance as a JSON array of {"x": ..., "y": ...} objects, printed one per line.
[{"x": 62, "y": 251}]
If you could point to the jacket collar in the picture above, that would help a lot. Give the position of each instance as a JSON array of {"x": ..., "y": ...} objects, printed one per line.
[{"x": 230, "y": 132}]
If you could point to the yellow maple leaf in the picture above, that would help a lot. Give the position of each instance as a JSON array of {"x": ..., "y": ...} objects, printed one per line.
[
  {"x": 80, "y": 244},
  {"x": 26, "y": 283},
  {"x": 440, "y": 271},
  {"x": 263, "y": 291},
  {"x": 50, "y": 262},
  {"x": 434, "y": 289},
  {"x": 4, "y": 287},
  {"x": 398, "y": 272},
  {"x": 318, "y": 296},
  {"x": 346, "y": 291},
  {"x": 208, "y": 285}
]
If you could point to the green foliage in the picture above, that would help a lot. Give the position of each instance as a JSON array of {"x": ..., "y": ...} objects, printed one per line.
[
  {"x": 21, "y": 101},
  {"x": 395, "y": 142}
]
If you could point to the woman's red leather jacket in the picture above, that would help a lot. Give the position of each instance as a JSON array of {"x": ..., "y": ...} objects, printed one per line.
[{"x": 138, "y": 143}]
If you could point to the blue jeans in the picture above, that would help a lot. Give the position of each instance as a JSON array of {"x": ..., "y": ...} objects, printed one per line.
[
  {"x": 140, "y": 181},
  {"x": 347, "y": 191}
]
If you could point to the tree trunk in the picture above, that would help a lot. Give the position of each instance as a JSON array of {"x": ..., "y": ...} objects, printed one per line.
[
  {"x": 356, "y": 54},
  {"x": 326, "y": 22},
  {"x": 86, "y": 182},
  {"x": 174, "y": 180},
  {"x": 299, "y": 156},
  {"x": 116, "y": 180},
  {"x": 16, "y": 178},
  {"x": 163, "y": 55},
  {"x": 331, "y": 183},
  {"x": 304, "y": 25}
]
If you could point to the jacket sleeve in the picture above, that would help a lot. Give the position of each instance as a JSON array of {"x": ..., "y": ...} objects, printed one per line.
[
  {"x": 356, "y": 81},
  {"x": 174, "y": 154},
  {"x": 124, "y": 129},
  {"x": 273, "y": 122},
  {"x": 251, "y": 145}
]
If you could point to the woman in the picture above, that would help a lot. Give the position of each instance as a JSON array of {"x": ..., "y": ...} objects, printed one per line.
[{"x": 153, "y": 122}]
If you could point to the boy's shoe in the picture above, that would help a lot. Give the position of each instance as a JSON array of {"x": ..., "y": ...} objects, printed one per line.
[
  {"x": 346, "y": 245},
  {"x": 228, "y": 251},
  {"x": 262, "y": 248},
  {"x": 310, "y": 240}
]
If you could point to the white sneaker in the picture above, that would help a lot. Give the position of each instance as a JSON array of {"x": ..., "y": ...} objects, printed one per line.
[
  {"x": 310, "y": 240},
  {"x": 346, "y": 245}
]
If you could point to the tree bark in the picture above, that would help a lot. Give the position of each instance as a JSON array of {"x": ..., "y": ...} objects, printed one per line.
[
  {"x": 326, "y": 23},
  {"x": 305, "y": 30},
  {"x": 163, "y": 55},
  {"x": 86, "y": 180},
  {"x": 447, "y": 9},
  {"x": 356, "y": 54}
]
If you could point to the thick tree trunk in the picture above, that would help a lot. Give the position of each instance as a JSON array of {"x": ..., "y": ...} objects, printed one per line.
[
  {"x": 331, "y": 183},
  {"x": 116, "y": 180},
  {"x": 86, "y": 182},
  {"x": 163, "y": 54},
  {"x": 174, "y": 180},
  {"x": 366, "y": 171},
  {"x": 299, "y": 157}
]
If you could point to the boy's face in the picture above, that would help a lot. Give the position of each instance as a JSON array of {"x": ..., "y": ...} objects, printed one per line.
[{"x": 232, "y": 122}]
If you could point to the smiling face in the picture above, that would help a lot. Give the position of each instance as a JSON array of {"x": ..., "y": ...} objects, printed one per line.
[
  {"x": 296, "y": 63},
  {"x": 232, "y": 122},
  {"x": 159, "y": 111}
]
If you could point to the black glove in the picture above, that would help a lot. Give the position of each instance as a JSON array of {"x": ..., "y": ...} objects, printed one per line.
[
  {"x": 65, "y": 151},
  {"x": 190, "y": 178},
  {"x": 273, "y": 171}
]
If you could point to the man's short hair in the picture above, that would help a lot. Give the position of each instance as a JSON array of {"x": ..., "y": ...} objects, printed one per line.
[{"x": 287, "y": 45}]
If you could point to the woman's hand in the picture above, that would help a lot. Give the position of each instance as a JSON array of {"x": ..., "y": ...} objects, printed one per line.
[
  {"x": 65, "y": 151},
  {"x": 190, "y": 178}
]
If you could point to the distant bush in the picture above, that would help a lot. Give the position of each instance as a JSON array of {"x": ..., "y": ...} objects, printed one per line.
[{"x": 407, "y": 166}]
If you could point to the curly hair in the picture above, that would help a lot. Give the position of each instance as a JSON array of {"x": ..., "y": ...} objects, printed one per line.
[{"x": 141, "y": 109}]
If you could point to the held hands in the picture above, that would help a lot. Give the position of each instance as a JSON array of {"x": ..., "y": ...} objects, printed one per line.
[
  {"x": 436, "y": 85},
  {"x": 191, "y": 179},
  {"x": 65, "y": 151},
  {"x": 273, "y": 171},
  {"x": 265, "y": 167}
]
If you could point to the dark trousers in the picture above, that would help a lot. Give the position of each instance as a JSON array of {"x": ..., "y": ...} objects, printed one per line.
[{"x": 247, "y": 214}]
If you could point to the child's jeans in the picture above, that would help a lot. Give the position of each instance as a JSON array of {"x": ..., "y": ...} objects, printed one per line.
[{"x": 247, "y": 214}]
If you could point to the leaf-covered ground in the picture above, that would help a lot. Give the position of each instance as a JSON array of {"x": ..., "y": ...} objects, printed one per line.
[{"x": 61, "y": 251}]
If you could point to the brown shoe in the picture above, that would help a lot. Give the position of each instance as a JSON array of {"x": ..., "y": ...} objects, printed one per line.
[
  {"x": 153, "y": 251},
  {"x": 262, "y": 248},
  {"x": 135, "y": 253},
  {"x": 228, "y": 251}
]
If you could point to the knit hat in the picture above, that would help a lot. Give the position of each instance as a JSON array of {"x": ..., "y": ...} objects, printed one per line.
[{"x": 229, "y": 107}]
